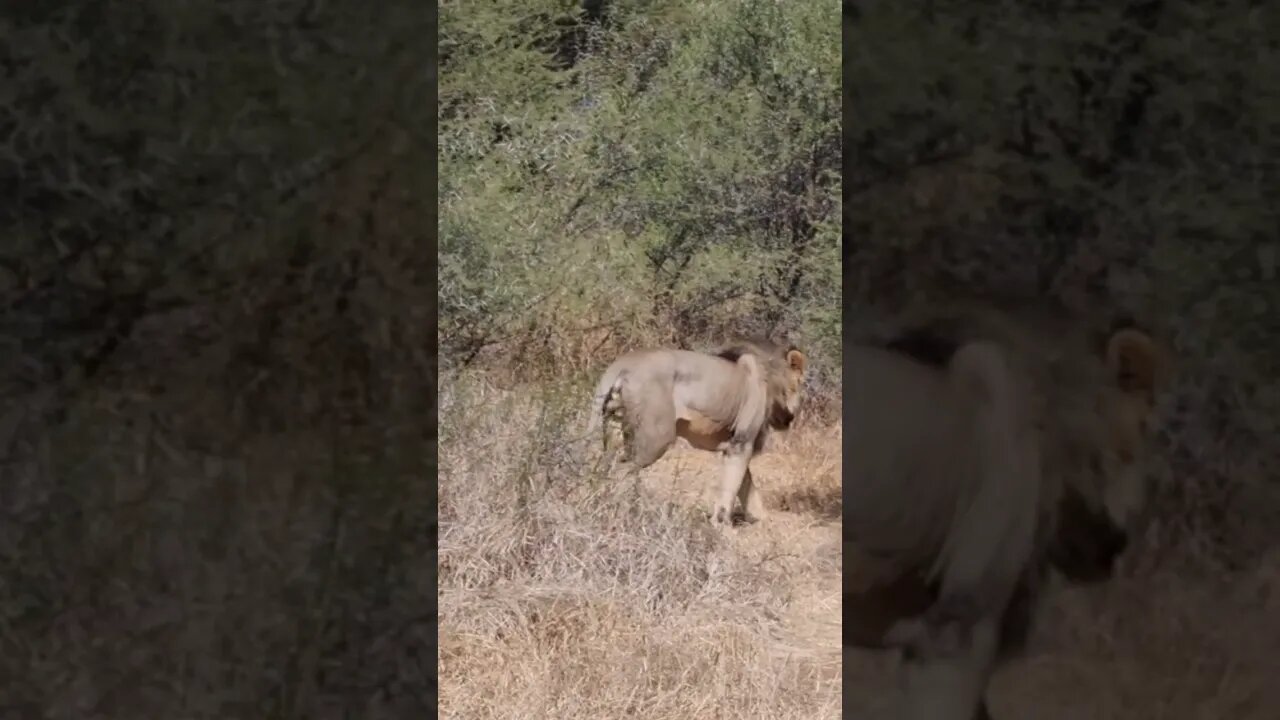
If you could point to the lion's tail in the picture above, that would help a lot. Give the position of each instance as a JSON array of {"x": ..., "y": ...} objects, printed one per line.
[{"x": 610, "y": 382}]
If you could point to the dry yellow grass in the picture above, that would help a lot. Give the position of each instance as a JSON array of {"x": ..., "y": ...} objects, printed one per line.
[
  {"x": 564, "y": 593},
  {"x": 1174, "y": 637},
  {"x": 567, "y": 594},
  {"x": 1165, "y": 643},
  {"x": 1157, "y": 647},
  {"x": 1168, "y": 639}
]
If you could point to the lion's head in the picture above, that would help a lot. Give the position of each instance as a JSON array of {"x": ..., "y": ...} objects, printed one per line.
[
  {"x": 1104, "y": 440},
  {"x": 1097, "y": 400},
  {"x": 784, "y": 367}
]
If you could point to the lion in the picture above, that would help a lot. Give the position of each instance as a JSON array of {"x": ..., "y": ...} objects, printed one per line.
[
  {"x": 981, "y": 450},
  {"x": 724, "y": 402}
]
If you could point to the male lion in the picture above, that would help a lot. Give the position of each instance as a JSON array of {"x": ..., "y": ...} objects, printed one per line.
[
  {"x": 980, "y": 450},
  {"x": 723, "y": 402}
]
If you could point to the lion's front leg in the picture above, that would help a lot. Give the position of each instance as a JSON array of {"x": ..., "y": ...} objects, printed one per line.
[
  {"x": 732, "y": 479},
  {"x": 948, "y": 664},
  {"x": 749, "y": 496}
]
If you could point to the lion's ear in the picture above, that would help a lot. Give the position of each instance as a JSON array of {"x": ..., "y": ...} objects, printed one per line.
[
  {"x": 1136, "y": 363},
  {"x": 796, "y": 360}
]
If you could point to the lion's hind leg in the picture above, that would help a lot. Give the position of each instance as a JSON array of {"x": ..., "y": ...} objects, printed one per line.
[
  {"x": 948, "y": 663},
  {"x": 650, "y": 421},
  {"x": 749, "y": 497}
]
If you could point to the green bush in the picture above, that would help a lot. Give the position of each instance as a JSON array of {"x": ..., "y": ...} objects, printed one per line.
[{"x": 674, "y": 181}]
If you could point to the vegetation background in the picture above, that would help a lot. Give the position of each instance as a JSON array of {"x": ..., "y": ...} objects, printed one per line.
[
  {"x": 1120, "y": 159},
  {"x": 616, "y": 175},
  {"x": 217, "y": 308},
  {"x": 661, "y": 172},
  {"x": 217, "y": 304}
]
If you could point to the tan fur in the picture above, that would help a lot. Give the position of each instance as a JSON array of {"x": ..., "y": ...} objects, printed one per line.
[
  {"x": 981, "y": 448},
  {"x": 724, "y": 402}
]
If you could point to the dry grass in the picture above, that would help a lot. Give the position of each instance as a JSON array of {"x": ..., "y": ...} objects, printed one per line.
[
  {"x": 1177, "y": 636},
  {"x": 1157, "y": 647},
  {"x": 1174, "y": 644},
  {"x": 564, "y": 593},
  {"x": 1168, "y": 640}
]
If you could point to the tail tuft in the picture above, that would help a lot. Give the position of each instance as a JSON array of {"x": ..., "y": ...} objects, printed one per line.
[{"x": 607, "y": 389}]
